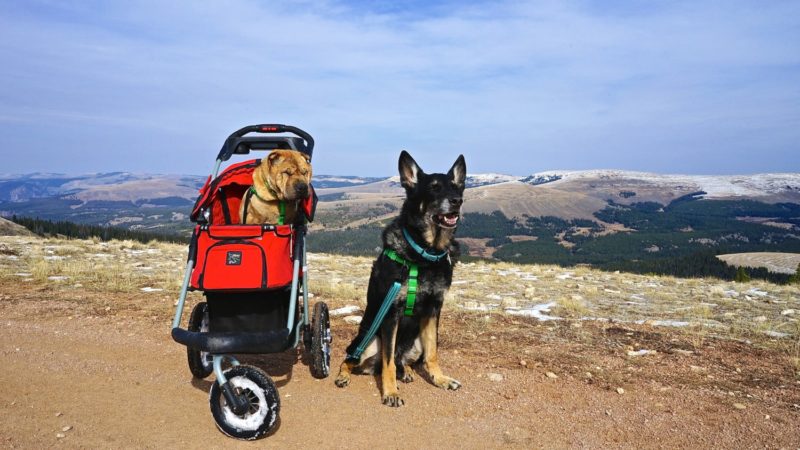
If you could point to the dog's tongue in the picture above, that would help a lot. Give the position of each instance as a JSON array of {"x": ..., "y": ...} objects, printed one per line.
[{"x": 449, "y": 219}]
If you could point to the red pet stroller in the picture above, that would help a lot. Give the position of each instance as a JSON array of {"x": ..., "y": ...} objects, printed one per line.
[{"x": 252, "y": 277}]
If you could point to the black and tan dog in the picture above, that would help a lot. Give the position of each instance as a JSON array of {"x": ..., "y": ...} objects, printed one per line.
[
  {"x": 279, "y": 182},
  {"x": 421, "y": 236}
]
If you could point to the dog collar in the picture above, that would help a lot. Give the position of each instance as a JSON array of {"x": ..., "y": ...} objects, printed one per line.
[{"x": 422, "y": 252}]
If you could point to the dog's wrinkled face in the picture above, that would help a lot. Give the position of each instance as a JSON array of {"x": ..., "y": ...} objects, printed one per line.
[
  {"x": 437, "y": 197},
  {"x": 288, "y": 173}
]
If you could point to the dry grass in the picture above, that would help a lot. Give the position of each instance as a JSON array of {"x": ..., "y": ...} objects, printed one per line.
[
  {"x": 713, "y": 308},
  {"x": 573, "y": 306}
]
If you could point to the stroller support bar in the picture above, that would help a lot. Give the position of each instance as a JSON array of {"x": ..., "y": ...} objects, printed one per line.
[
  {"x": 223, "y": 342},
  {"x": 176, "y": 322}
]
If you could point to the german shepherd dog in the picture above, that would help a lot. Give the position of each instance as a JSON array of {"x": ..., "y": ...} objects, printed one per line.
[{"x": 428, "y": 220}]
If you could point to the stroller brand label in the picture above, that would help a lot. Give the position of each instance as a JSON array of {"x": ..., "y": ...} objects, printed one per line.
[{"x": 234, "y": 259}]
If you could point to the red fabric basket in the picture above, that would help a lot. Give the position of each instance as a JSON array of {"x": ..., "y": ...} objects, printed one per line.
[{"x": 242, "y": 257}]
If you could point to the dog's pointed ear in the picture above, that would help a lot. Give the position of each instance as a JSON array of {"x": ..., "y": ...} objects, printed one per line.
[
  {"x": 458, "y": 173},
  {"x": 409, "y": 170}
]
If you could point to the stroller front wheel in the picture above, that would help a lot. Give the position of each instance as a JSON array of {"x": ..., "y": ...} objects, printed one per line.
[{"x": 262, "y": 401}]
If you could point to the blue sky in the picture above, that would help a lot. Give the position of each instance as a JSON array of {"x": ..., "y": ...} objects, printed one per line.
[{"x": 518, "y": 87}]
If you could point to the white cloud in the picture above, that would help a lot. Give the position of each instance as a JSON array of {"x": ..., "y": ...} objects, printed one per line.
[{"x": 548, "y": 84}]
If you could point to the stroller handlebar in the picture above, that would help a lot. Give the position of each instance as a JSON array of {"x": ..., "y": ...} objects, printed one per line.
[{"x": 232, "y": 142}]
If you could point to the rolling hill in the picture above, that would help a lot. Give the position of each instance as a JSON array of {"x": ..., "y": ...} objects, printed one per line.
[{"x": 607, "y": 218}]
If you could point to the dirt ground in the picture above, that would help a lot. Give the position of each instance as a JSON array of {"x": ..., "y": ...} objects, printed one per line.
[{"x": 76, "y": 375}]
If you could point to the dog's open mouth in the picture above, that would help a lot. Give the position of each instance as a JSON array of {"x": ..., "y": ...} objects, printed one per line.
[{"x": 449, "y": 220}]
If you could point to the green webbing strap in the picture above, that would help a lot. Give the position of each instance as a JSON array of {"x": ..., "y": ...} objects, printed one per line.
[
  {"x": 413, "y": 272},
  {"x": 282, "y": 210},
  {"x": 387, "y": 303}
]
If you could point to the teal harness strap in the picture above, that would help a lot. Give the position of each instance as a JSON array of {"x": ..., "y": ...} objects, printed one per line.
[
  {"x": 387, "y": 303},
  {"x": 411, "y": 297}
]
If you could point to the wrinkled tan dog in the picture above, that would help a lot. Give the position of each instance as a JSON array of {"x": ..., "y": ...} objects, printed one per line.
[{"x": 279, "y": 182}]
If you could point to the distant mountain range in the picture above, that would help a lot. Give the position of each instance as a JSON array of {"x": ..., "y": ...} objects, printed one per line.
[
  {"x": 153, "y": 201},
  {"x": 613, "y": 219}
]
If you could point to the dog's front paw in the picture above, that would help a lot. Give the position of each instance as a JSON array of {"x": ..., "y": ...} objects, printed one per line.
[
  {"x": 447, "y": 383},
  {"x": 342, "y": 380},
  {"x": 393, "y": 400}
]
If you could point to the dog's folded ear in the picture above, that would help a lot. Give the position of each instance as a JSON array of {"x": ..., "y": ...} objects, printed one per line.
[
  {"x": 274, "y": 157},
  {"x": 409, "y": 170},
  {"x": 458, "y": 173}
]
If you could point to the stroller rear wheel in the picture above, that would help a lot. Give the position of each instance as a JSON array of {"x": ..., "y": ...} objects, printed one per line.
[
  {"x": 320, "y": 341},
  {"x": 262, "y": 404},
  {"x": 200, "y": 363}
]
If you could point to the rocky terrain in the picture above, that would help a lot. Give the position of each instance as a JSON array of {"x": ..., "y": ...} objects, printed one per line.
[{"x": 549, "y": 358}]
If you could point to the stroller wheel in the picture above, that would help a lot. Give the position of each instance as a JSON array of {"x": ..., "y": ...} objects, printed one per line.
[
  {"x": 320, "y": 341},
  {"x": 263, "y": 404},
  {"x": 200, "y": 363}
]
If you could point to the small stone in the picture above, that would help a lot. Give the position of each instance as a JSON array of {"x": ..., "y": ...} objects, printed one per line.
[
  {"x": 589, "y": 375},
  {"x": 496, "y": 377},
  {"x": 620, "y": 391},
  {"x": 59, "y": 414},
  {"x": 550, "y": 375},
  {"x": 523, "y": 363},
  {"x": 608, "y": 412},
  {"x": 60, "y": 436},
  {"x": 788, "y": 312},
  {"x": 738, "y": 370},
  {"x": 739, "y": 406},
  {"x": 66, "y": 428},
  {"x": 766, "y": 417}
]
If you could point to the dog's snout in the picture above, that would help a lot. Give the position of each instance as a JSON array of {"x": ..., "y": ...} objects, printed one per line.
[
  {"x": 456, "y": 201},
  {"x": 301, "y": 188}
]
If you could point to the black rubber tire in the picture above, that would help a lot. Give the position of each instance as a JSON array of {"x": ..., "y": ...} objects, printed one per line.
[
  {"x": 264, "y": 400},
  {"x": 200, "y": 363},
  {"x": 320, "y": 342}
]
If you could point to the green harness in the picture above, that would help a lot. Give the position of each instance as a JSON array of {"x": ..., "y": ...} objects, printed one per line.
[
  {"x": 281, "y": 205},
  {"x": 411, "y": 296},
  {"x": 413, "y": 272}
]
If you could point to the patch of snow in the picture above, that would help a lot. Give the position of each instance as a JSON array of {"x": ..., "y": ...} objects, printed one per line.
[
  {"x": 535, "y": 312},
  {"x": 757, "y": 292},
  {"x": 54, "y": 258},
  {"x": 565, "y": 276},
  {"x": 353, "y": 320},
  {"x": 150, "y": 289},
  {"x": 57, "y": 278},
  {"x": 475, "y": 306},
  {"x": 23, "y": 274},
  {"x": 776, "y": 334},
  {"x": 343, "y": 311},
  {"x": 668, "y": 323},
  {"x": 641, "y": 352}
]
